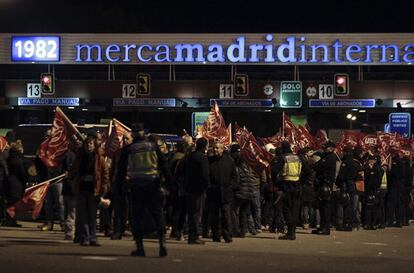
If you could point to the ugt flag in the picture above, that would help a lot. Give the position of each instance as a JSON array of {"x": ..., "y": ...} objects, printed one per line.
[
  {"x": 31, "y": 202},
  {"x": 114, "y": 141},
  {"x": 53, "y": 149},
  {"x": 215, "y": 129}
]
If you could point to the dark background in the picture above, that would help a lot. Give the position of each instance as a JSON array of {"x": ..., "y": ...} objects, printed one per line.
[{"x": 200, "y": 16}]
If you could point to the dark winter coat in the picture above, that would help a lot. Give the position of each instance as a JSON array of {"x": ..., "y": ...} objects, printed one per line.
[
  {"x": 4, "y": 172},
  {"x": 307, "y": 180},
  {"x": 326, "y": 169},
  {"x": 197, "y": 173},
  {"x": 16, "y": 182},
  {"x": 223, "y": 179},
  {"x": 348, "y": 174},
  {"x": 373, "y": 177},
  {"x": 244, "y": 187}
]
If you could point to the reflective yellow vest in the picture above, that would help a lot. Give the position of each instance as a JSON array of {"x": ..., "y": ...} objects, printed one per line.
[
  {"x": 384, "y": 181},
  {"x": 292, "y": 168},
  {"x": 142, "y": 160}
]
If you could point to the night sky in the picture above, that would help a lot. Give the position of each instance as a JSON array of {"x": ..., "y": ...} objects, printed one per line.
[{"x": 200, "y": 16}]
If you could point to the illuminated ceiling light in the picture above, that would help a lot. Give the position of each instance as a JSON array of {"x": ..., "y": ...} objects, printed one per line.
[
  {"x": 353, "y": 118},
  {"x": 349, "y": 116},
  {"x": 71, "y": 107},
  {"x": 362, "y": 111},
  {"x": 84, "y": 109},
  {"x": 354, "y": 109}
]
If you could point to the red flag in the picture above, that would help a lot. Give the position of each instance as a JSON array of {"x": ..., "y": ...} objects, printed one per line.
[
  {"x": 215, "y": 129},
  {"x": 3, "y": 144},
  {"x": 114, "y": 141},
  {"x": 349, "y": 139},
  {"x": 254, "y": 154},
  {"x": 54, "y": 148},
  {"x": 31, "y": 202},
  {"x": 383, "y": 145},
  {"x": 304, "y": 138},
  {"x": 290, "y": 133},
  {"x": 367, "y": 141},
  {"x": 321, "y": 138},
  {"x": 275, "y": 140}
]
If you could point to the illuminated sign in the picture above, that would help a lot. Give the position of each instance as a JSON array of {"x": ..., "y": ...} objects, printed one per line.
[
  {"x": 47, "y": 101},
  {"x": 35, "y": 48},
  {"x": 291, "y": 50},
  {"x": 400, "y": 123},
  {"x": 345, "y": 103},
  {"x": 242, "y": 102},
  {"x": 157, "y": 102}
]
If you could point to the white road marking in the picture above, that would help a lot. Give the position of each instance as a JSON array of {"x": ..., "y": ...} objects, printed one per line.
[
  {"x": 374, "y": 244},
  {"x": 99, "y": 258}
]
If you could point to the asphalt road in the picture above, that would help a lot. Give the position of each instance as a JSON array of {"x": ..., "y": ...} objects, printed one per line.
[{"x": 28, "y": 250}]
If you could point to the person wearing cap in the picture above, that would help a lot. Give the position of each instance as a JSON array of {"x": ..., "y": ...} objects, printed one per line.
[
  {"x": 288, "y": 168},
  {"x": 91, "y": 182},
  {"x": 141, "y": 165},
  {"x": 197, "y": 179},
  {"x": 325, "y": 177},
  {"x": 243, "y": 192},
  {"x": 373, "y": 175}
]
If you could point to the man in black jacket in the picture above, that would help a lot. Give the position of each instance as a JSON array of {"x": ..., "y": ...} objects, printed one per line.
[
  {"x": 373, "y": 175},
  {"x": 220, "y": 193},
  {"x": 396, "y": 189},
  {"x": 196, "y": 182}
]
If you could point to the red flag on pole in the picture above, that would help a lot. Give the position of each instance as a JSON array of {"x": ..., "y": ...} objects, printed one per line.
[
  {"x": 114, "y": 141},
  {"x": 290, "y": 133},
  {"x": 254, "y": 154},
  {"x": 215, "y": 129},
  {"x": 31, "y": 202},
  {"x": 53, "y": 149}
]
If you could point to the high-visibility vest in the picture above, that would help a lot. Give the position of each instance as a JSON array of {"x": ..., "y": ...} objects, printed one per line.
[
  {"x": 142, "y": 160},
  {"x": 292, "y": 168}
]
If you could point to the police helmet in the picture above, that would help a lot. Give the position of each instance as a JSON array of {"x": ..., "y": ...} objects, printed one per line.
[
  {"x": 371, "y": 200},
  {"x": 324, "y": 193},
  {"x": 342, "y": 198}
]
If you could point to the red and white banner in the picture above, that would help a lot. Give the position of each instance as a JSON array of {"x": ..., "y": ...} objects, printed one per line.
[
  {"x": 53, "y": 149},
  {"x": 114, "y": 141},
  {"x": 215, "y": 129},
  {"x": 254, "y": 154}
]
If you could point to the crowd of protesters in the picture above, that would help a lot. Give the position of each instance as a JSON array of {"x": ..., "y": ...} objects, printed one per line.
[{"x": 205, "y": 191}]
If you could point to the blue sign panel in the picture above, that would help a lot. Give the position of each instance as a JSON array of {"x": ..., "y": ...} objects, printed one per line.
[
  {"x": 156, "y": 102},
  {"x": 400, "y": 123},
  {"x": 197, "y": 121},
  {"x": 345, "y": 103},
  {"x": 242, "y": 103},
  {"x": 35, "y": 49},
  {"x": 21, "y": 101}
]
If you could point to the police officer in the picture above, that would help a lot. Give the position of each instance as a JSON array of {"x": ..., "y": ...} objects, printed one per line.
[
  {"x": 289, "y": 167},
  {"x": 396, "y": 190},
  {"x": 141, "y": 165},
  {"x": 325, "y": 177},
  {"x": 373, "y": 177}
]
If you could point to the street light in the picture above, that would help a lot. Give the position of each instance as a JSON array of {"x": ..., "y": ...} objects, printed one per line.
[{"x": 351, "y": 119}]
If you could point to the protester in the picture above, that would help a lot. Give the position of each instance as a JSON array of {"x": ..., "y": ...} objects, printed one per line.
[{"x": 92, "y": 183}]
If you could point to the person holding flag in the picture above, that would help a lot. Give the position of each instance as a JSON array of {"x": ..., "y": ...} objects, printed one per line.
[{"x": 16, "y": 180}]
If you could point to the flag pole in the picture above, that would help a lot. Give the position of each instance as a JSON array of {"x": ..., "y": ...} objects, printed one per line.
[
  {"x": 129, "y": 129},
  {"x": 70, "y": 122}
]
